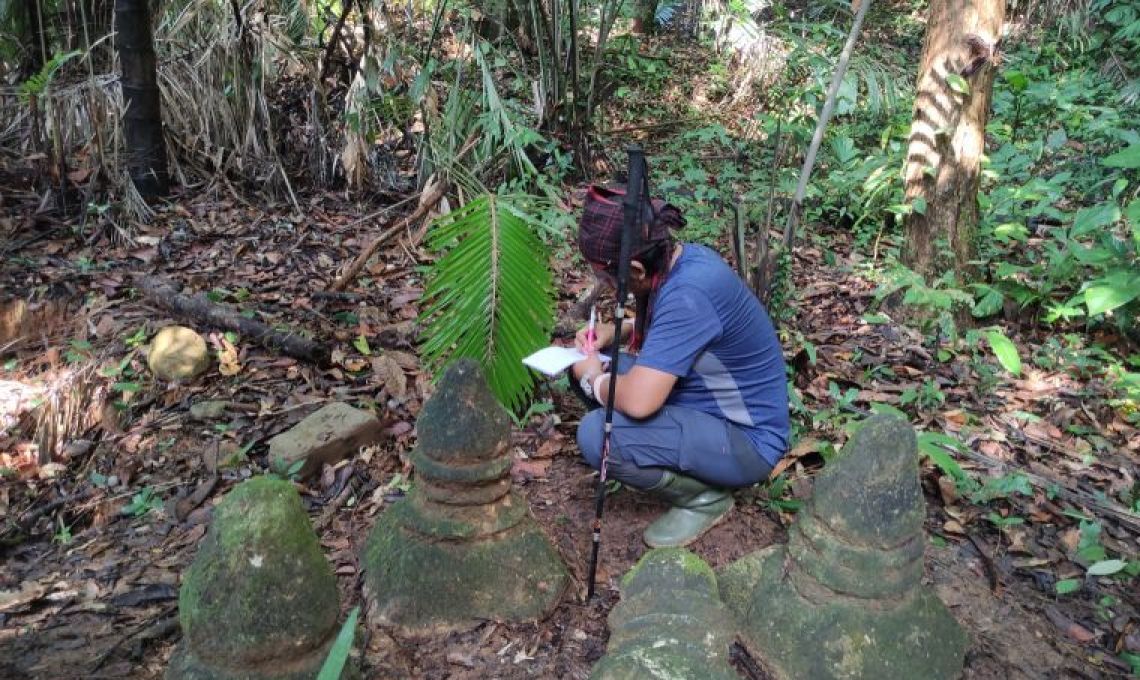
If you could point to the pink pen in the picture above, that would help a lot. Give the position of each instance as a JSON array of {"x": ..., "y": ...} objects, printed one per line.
[{"x": 590, "y": 336}]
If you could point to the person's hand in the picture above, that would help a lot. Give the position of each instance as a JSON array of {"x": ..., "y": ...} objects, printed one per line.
[
  {"x": 591, "y": 366},
  {"x": 603, "y": 336}
]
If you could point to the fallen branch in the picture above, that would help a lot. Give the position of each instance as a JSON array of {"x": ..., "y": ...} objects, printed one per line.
[
  {"x": 427, "y": 202},
  {"x": 201, "y": 309}
]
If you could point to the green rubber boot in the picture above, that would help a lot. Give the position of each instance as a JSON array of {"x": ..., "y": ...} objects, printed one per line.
[{"x": 697, "y": 507}]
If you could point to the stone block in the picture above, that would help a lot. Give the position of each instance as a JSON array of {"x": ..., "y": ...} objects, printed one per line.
[{"x": 327, "y": 436}]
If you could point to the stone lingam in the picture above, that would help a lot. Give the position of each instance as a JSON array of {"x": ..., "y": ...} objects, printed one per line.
[
  {"x": 259, "y": 601},
  {"x": 843, "y": 598},
  {"x": 669, "y": 624},
  {"x": 462, "y": 548}
]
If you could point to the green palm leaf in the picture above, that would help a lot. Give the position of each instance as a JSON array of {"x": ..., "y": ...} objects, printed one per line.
[{"x": 489, "y": 295}]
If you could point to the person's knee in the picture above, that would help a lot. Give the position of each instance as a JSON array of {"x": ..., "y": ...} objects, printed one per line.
[{"x": 590, "y": 433}]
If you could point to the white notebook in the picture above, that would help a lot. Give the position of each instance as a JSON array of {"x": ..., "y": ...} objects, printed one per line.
[{"x": 553, "y": 360}]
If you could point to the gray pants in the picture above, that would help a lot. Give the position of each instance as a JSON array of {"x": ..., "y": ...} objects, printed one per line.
[{"x": 683, "y": 440}]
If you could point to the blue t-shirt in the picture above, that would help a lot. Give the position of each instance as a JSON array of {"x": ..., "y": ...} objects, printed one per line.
[{"x": 712, "y": 333}]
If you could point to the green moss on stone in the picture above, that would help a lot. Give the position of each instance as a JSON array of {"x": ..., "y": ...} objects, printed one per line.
[
  {"x": 677, "y": 566},
  {"x": 670, "y": 623},
  {"x": 259, "y": 588},
  {"x": 462, "y": 421},
  {"x": 424, "y": 587}
]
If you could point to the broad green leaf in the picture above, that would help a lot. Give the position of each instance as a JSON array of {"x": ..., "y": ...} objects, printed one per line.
[
  {"x": 887, "y": 409},
  {"x": 1115, "y": 290},
  {"x": 811, "y": 352},
  {"x": 988, "y": 304},
  {"x": 334, "y": 663},
  {"x": 919, "y": 205},
  {"x": 930, "y": 444},
  {"x": 958, "y": 83},
  {"x": 1090, "y": 219},
  {"x": 1005, "y": 351},
  {"x": 876, "y": 319},
  {"x": 1106, "y": 567},
  {"x": 1126, "y": 158},
  {"x": 1069, "y": 585},
  {"x": 1016, "y": 79},
  {"x": 361, "y": 345},
  {"x": 1132, "y": 212}
]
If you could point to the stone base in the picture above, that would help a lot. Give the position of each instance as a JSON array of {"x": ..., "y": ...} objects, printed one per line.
[
  {"x": 670, "y": 623},
  {"x": 838, "y": 636},
  {"x": 423, "y": 586},
  {"x": 184, "y": 665}
]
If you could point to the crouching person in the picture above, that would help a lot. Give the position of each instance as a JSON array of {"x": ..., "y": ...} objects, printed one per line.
[{"x": 701, "y": 404}]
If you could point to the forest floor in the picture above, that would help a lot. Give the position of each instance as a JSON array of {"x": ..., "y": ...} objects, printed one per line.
[{"x": 94, "y": 544}]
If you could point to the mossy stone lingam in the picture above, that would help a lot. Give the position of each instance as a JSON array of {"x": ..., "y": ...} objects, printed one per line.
[
  {"x": 259, "y": 601},
  {"x": 462, "y": 548},
  {"x": 844, "y": 598},
  {"x": 670, "y": 623}
]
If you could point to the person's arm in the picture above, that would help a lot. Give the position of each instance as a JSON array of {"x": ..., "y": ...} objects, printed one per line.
[
  {"x": 639, "y": 393},
  {"x": 681, "y": 328}
]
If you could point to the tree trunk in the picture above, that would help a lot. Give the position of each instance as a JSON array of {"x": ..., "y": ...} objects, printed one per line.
[
  {"x": 142, "y": 120},
  {"x": 34, "y": 57},
  {"x": 948, "y": 134},
  {"x": 645, "y": 16}
]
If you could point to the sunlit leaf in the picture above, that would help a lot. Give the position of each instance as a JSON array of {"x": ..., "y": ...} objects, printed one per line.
[
  {"x": 1126, "y": 158},
  {"x": 931, "y": 444},
  {"x": 1090, "y": 219},
  {"x": 1005, "y": 351},
  {"x": 1016, "y": 80},
  {"x": 1069, "y": 585},
  {"x": 990, "y": 303},
  {"x": 1115, "y": 290},
  {"x": 1106, "y": 567}
]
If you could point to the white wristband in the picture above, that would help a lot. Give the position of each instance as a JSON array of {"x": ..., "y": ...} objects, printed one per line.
[{"x": 597, "y": 381}]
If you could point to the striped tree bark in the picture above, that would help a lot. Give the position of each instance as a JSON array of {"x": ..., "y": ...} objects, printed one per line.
[{"x": 947, "y": 137}]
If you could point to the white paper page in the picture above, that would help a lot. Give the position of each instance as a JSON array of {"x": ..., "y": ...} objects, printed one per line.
[{"x": 553, "y": 360}]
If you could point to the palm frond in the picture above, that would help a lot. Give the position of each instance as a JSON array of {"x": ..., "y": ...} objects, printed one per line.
[{"x": 490, "y": 294}]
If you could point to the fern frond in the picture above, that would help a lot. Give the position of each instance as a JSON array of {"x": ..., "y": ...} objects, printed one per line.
[{"x": 490, "y": 294}]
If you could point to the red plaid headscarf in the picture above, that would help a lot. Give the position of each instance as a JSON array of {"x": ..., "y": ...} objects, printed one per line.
[
  {"x": 599, "y": 230},
  {"x": 599, "y": 239}
]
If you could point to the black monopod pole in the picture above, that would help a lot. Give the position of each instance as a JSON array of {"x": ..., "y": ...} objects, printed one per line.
[{"x": 632, "y": 216}]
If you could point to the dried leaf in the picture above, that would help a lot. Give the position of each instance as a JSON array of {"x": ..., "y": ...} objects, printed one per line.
[
  {"x": 1067, "y": 626},
  {"x": 228, "y": 363},
  {"x": 389, "y": 374}
]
